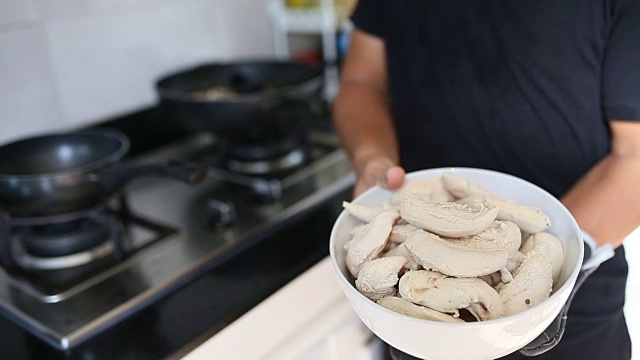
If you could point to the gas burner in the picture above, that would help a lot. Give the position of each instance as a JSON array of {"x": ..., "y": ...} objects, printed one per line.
[
  {"x": 314, "y": 151},
  {"x": 54, "y": 257},
  {"x": 61, "y": 241},
  {"x": 289, "y": 161},
  {"x": 266, "y": 153},
  {"x": 28, "y": 261}
]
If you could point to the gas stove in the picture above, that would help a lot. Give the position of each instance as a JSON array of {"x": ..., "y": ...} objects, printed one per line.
[{"x": 68, "y": 279}]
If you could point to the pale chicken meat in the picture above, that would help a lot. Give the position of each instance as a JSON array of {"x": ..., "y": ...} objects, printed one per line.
[
  {"x": 448, "y": 294},
  {"x": 431, "y": 190},
  {"x": 528, "y": 218},
  {"x": 378, "y": 277},
  {"x": 435, "y": 253},
  {"x": 361, "y": 212},
  {"x": 446, "y": 244},
  {"x": 402, "y": 251},
  {"x": 408, "y": 308},
  {"x": 448, "y": 219},
  {"x": 499, "y": 235},
  {"x": 460, "y": 187},
  {"x": 554, "y": 247},
  {"x": 400, "y": 233},
  {"x": 368, "y": 244},
  {"x": 532, "y": 281}
]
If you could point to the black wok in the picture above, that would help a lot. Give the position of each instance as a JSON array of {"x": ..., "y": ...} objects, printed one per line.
[
  {"x": 61, "y": 173},
  {"x": 232, "y": 99}
]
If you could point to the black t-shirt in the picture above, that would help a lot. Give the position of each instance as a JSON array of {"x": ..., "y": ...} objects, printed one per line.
[{"x": 523, "y": 87}]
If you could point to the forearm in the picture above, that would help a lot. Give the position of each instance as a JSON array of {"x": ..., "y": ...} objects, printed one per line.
[
  {"x": 606, "y": 201},
  {"x": 363, "y": 123}
]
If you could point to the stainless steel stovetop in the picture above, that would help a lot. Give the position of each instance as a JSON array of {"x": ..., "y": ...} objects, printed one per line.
[{"x": 171, "y": 233}]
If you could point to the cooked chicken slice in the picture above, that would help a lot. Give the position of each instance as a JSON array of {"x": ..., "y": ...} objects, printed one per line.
[
  {"x": 430, "y": 189},
  {"x": 448, "y": 219},
  {"x": 435, "y": 253},
  {"x": 505, "y": 275},
  {"x": 378, "y": 277},
  {"x": 499, "y": 235},
  {"x": 358, "y": 230},
  {"x": 447, "y": 294},
  {"x": 554, "y": 246},
  {"x": 361, "y": 212},
  {"x": 460, "y": 187},
  {"x": 371, "y": 241},
  {"x": 531, "y": 283},
  {"x": 407, "y": 308},
  {"x": 514, "y": 262},
  {"x": 528, "y": 218},
  {"x": 400, "y": 232},
  {"x": 402, "y": 251}
]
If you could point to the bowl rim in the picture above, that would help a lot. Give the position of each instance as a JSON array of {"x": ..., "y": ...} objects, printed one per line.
[{"x": 566, "y": 287}]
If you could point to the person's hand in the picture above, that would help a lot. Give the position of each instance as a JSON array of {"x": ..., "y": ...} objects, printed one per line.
[{"x": 378, "y": 170}]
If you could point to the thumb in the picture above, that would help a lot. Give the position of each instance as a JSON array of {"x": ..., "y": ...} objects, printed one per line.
[
  {"x": 394, "y": 178},
  {"x": 382, "y": 172}
]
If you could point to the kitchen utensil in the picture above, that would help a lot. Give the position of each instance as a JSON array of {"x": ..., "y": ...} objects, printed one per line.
[
  {"x": 474, "y": 340},
  {"x": 67, "y": 172},
  {"x": 233, "y": 99}
]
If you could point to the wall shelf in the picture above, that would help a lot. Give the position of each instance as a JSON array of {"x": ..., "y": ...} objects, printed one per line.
[{"x": 325, "y": 20}]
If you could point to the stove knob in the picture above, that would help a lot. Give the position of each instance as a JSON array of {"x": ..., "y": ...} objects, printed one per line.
[{"x": 222, "y": 213}]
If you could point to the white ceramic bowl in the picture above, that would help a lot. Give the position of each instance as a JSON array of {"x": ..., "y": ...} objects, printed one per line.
[{"x": 477, "y": 340}]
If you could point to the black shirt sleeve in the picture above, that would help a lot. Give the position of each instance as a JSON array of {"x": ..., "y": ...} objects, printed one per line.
[
  {"x": 621, "y": 68},
  {"x": 367, "y": 16}
]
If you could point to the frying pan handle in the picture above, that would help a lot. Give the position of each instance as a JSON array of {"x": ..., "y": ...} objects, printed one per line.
[
  {"x": 554, "y": 332},
  {"x": 6, "y": 258},
  {"x": 113, "y": 179}
]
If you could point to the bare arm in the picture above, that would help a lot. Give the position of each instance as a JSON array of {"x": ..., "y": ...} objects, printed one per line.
[
  {"x": 606, "y": 201},
  {"x": 362, "y": 117}
]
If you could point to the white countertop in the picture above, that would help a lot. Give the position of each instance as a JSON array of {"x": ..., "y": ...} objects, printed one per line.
[{"x": 309, "y": 318}]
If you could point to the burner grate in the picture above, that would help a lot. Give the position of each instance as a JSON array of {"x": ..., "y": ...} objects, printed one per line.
[
  {"x": 270, "y": 186},
  {"x": 52, "y": 260}
]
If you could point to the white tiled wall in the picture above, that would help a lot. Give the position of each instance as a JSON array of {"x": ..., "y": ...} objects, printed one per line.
[
  {"x": 16, "y": 11},
  {"x": 69, "y": 62},
  {"x": 28, "y": 100}
]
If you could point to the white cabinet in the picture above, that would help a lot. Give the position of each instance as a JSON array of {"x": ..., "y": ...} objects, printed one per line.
[{"x": 336, "y": 334}]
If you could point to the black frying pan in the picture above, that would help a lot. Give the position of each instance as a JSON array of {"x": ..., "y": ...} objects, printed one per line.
[
  {"x": 61, "y": 173},
  {"x": 232, "y": 99}
]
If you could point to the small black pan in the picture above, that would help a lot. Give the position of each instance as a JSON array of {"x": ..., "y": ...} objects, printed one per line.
[{"x": 62, "y": 173}]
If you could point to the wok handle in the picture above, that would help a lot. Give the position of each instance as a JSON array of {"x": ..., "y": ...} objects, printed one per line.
[
  {"x": 553, "y": 334},
  {"x": 113, "y": 179}
]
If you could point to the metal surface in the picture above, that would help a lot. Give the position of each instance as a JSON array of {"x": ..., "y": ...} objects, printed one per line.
[{"x": 184, "y": 244}]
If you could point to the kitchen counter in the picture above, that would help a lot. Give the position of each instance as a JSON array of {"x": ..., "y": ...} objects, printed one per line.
[{"x": 309, "y": 318}]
